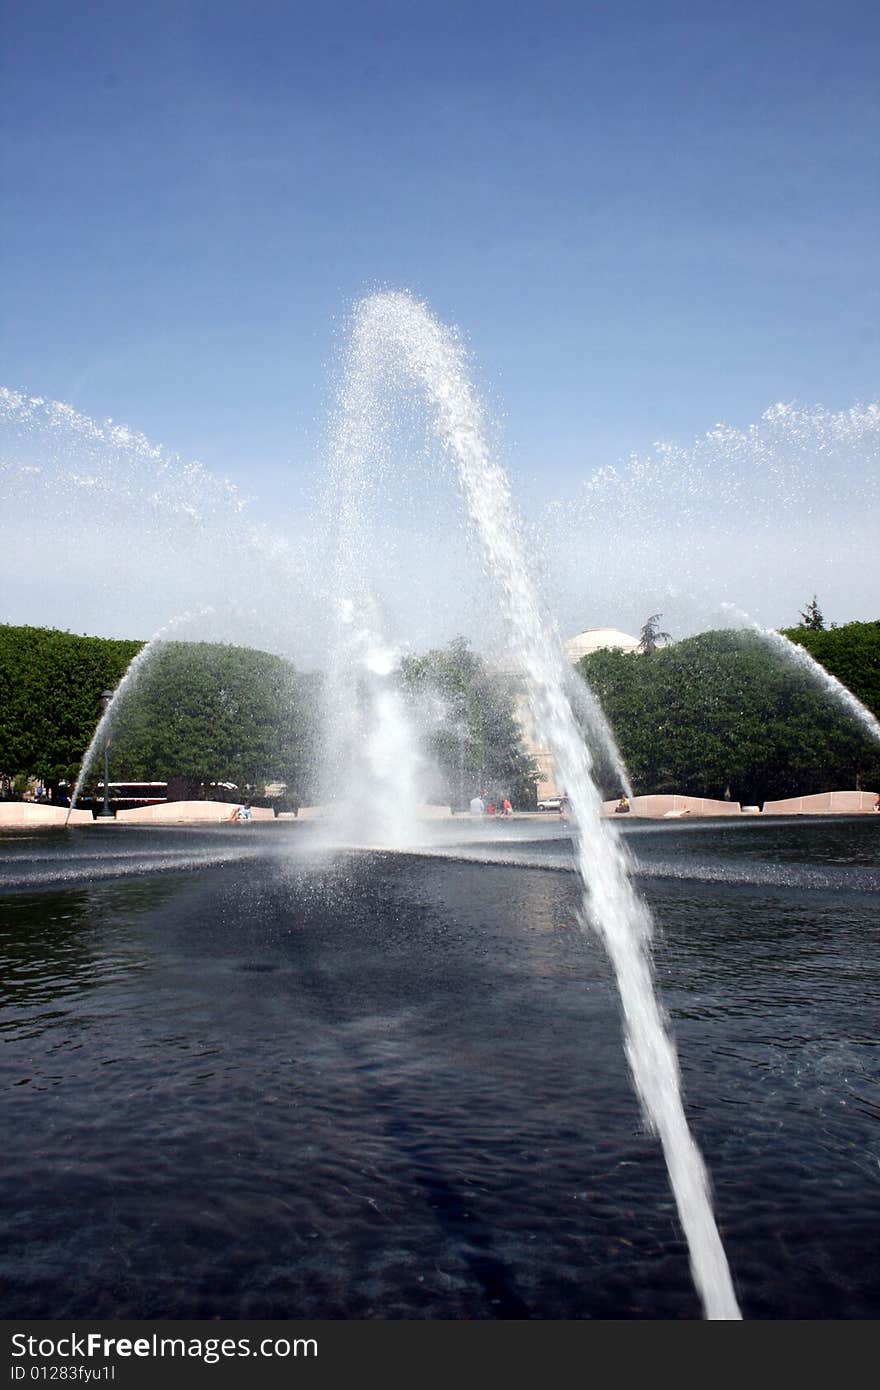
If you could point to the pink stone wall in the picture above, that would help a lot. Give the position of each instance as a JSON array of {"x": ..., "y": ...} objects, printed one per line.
[
  {"x": 673, "y": 806},
  {"x": 21, "y": 813},
  {"x": 823, "y": 804},
  {"x": 187, "y": 813}
]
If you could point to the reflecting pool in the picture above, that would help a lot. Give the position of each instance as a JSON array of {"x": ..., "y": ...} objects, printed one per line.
[{"x": 244, "y": 1077}]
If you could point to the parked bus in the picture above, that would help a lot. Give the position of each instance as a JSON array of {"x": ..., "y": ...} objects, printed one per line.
[{"x": 125, "y": 796}]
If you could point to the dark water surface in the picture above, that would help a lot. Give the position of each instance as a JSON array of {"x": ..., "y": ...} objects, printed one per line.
[{"x": 245, "y": 1078}]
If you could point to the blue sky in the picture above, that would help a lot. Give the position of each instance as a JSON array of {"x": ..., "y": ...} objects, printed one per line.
[{"x": 644, "y": 217}]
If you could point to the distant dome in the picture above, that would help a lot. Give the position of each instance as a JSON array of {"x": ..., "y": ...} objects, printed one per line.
[{"x": 597, "y": 639}]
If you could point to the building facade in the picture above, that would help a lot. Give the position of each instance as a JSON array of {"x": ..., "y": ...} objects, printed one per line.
[{"x": 593, "y": 639}]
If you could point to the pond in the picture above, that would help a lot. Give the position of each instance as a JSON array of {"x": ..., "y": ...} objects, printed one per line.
[{"x": 247, "y": 1077}]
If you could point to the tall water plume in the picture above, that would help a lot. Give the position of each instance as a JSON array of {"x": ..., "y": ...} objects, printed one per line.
[
  {"x": 371, "y": 751},
  {"x": 392, "y": 336}
]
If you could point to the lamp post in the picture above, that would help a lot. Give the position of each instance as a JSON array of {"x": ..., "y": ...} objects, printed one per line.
[
  {"x": 460, "y": 806},
  {"x": 106, "y": 812},
  {"x": 463, "y": 732}
]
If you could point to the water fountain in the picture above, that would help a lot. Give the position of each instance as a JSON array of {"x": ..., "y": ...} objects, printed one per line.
[
  {"x": 394, "y": 333},
  {"x": 374, "y": 748}
]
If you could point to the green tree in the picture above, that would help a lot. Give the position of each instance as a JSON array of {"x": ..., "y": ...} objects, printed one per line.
[
  {"x": 850, "y": 652},
  {"x": 208, "y": 713},
  {"x": 476, "y": 739},
  {"x": 811, "y": 616},
  {"x": 50, "y": 697},
  {"x": 201, "y": 712},
  {"x": 722, "y": 709},
  {"x": 651, "y": 636}
]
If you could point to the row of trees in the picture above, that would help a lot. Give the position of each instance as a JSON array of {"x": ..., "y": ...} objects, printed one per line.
[
  {"x": 50, "y": 696},
  {"x": 199, "y": 712},
  {"x": 725, "y": 710},
  {"x": 715, "y": 712},
  {"x": 203, "y": 714}
]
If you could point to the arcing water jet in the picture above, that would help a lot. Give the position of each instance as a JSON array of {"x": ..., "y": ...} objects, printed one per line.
[
  {"x": 393, "y": 334},
  {"x": 126, "y": 685},
  {"x": 798, "y": 656}
]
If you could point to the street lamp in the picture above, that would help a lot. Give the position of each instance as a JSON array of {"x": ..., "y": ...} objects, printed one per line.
[
  {"x": 106, "y": 812},
  {"x": 463, "y": 736}
]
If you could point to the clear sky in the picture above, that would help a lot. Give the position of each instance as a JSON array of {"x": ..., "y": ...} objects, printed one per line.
[{"x": 645, "y": 217}]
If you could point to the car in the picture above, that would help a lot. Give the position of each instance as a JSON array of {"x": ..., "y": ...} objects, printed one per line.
[{"x": 550, "y": 803}]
